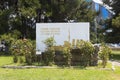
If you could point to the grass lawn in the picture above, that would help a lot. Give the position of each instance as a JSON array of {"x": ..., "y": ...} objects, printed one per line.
[
  {"x": 115, "y": 55},
  {"x": 4, "y": 60},
  {"x": 55, "y": 74}
]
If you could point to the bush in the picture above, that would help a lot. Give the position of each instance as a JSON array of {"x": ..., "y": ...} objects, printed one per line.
[
  {"x": 49, "y": 56},
  {"x": 67, "y": 55},
  {"x": 49, "y": 42},
  {"x": 50, "y": 52},
  {"x": 104, "y": 53},
  {"x": 86, "y": 51},
  {"x": 15, "y": 59},
  {"x": 7, "y": 39},
  {"x": 24, "y": 48}
]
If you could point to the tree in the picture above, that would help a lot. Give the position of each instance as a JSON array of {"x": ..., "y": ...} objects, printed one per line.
[
  {"x": 20, "y": 15},
  {"x": 62, "y": 11},
  {"x": 67, "y": 11},
  {"x": 114, "y": 22},
  {"x": 7, "y": 39},
  {"x": 27, "y": 13},
  {"x": 23, "y": 14},
  {"x": 4, "y": 21},
  {"x": 116, "y": 6}
]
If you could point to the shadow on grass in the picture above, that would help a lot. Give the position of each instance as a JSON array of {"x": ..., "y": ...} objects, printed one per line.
[{"x": 115, "y": 57}]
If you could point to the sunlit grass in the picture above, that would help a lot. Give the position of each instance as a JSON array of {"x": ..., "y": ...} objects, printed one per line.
[
  {"x": 5, "y": 60},
  {"x": 115, "y": 51},
  {"x": 115, "y": 55},
  {"x": 57, "y": 74},
  {"x": 89, "y": 73}
]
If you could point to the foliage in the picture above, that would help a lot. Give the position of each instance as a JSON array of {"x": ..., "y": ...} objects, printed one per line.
[
  {"x": 49, "y": 42},
  {"x": 67, "y": 55},
  {"x": 112, "y": 37},
  {"x": 8, "y": 38},
  {"x": 116, "y": 8},
  {"x": 114, "y": 4},
  {"x": 28, "y": 7},
  {"x": 49, "y": 56},
  {"x": 4, "y": 27},
  {"x": 24, "y": 48},
  {"x": 86, "y": 49},
  {"x": 20, "y": 15},
  {"x": 116, "y": 21},
  {"x": 62, "y": 11},
  {"x": 113, "y": 23},
  {"x": 104, "y": 53},
  {"x": 50, "y": 52}
]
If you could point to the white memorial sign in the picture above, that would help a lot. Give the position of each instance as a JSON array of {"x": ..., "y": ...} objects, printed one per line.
[{"x": 61, "y": 32}]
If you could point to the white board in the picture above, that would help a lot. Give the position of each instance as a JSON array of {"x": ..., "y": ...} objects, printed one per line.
[{"x": 61, "y": 32}]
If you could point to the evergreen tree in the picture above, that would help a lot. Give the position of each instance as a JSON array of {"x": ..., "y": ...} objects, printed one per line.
[
  {"x": 23, "y": 14},
  {"x": 20, "y": 15},
  {"x": 114, "y": 23},
  {"x": 64, "y": 10}
]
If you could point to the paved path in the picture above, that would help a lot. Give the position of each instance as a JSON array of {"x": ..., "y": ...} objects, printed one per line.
[{"x": 115, "y": 63}]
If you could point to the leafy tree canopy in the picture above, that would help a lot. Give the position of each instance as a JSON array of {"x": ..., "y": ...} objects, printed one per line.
[{"x": 22, "y": 15}]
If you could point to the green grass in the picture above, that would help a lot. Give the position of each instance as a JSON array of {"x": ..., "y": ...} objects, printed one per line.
[
  {"x": 55, "y": 74},
  {"x": 115, "y": 51},
  {"x": 58, "y": 74},
  {"x": 4, "y": 60},
  {"x": 115, "y": 55}
]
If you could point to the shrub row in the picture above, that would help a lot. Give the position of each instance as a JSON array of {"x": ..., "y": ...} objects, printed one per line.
[{"x": 83, "y": 54}]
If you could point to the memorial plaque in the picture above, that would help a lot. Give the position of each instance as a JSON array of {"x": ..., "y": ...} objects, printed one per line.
[{"x": 61, "y": 32}]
